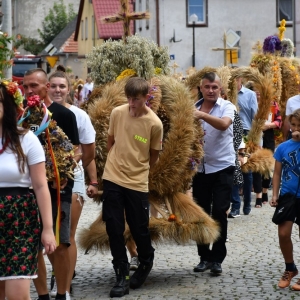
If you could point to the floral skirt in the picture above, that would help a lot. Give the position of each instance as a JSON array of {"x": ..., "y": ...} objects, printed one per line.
[{"x": 19, "y": 236}]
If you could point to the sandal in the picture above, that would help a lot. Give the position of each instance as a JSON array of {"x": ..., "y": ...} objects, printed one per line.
[{"x": 258, "y": 203}]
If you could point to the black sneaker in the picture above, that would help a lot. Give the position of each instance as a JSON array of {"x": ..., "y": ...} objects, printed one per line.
[
  {"x": 140, "y": 275},
  {"x": 202, "y": 266},
  {"x": 216, "y": 268},
  {"x": 234, "y": 214}
]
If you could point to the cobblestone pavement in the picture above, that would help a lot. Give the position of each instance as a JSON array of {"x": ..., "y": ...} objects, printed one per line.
[{"x": 251, "y": 269}]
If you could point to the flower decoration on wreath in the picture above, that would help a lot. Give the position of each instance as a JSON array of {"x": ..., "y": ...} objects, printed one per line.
[
  {"x": 126, "y": 73},
  {"x": 58, "y": 148},
  {"x": 13, "y": 90}
]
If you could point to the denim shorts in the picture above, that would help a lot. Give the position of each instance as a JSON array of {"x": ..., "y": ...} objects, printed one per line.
[{"x": 79, "y": 186}]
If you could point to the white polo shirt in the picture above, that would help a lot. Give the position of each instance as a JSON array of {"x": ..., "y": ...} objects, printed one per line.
[
  {"x": 292, "y": 104},
  {"x": 217, "y": 144}
]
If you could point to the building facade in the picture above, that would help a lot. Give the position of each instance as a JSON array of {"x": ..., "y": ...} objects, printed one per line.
[{"x": 171, "y": 25}]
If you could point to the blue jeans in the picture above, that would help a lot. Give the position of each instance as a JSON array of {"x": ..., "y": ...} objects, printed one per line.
[
  {"x": 235, "y": 198},
  {"x": 248, "y": 180}
]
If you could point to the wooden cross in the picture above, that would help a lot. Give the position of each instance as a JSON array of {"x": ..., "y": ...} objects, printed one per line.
[
  {"x": 225, "y": 48},
  {"x": 126, "y": 16}
]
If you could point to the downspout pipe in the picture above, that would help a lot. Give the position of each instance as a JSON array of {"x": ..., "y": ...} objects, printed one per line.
[{"x": 157, "y": 24}]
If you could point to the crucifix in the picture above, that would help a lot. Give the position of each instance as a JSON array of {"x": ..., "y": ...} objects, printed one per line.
[
  {"x": 125, "y": 16},
  {"x": 225, "y": 48}
]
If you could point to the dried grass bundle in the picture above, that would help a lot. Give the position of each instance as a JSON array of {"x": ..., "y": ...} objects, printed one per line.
[
  {"x": 99, "y": 110},
  {"x": 289, "y": 82},
  {"x": 187, "y": 210},
  {"x": 155, "y": 92},
  {"x": 268, "y": 65},
  {"x": 233, "y": 92},
  {"x": 175, "y": 167},
  {"x": 260, "y": 161},
  {"x": 193, "y": 81},
  {"x": 203, "y": 231},
  {"x": 224, "y": 73},
  {"x": 171, "y": 175},
  {"x": 264, "y": 85}
]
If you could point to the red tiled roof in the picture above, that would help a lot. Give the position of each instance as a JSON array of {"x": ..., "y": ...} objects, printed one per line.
[
  {"x": 70, "y": 46},
  {"x": 104, "y": 8}
]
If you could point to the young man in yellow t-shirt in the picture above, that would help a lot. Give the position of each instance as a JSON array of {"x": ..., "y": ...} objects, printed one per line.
[{"x": 134, "y": 141}]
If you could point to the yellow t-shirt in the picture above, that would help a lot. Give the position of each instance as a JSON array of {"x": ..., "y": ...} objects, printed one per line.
[{"x": 127, "y": 162}]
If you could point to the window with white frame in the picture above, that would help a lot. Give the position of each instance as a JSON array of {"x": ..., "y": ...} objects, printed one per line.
[
  {"x": 197, "y": 9},
  {"x": 285, "y": 11}
]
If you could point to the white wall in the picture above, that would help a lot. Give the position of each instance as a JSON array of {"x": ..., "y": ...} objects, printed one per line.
[
  {"x": 255, "y": 19},
  {"x": 29, "y": 15}
]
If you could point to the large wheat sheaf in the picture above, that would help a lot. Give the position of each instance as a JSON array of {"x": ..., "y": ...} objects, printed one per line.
[
  {"x": 261, "y": 160},
  {"x": 181, "y": 219}
]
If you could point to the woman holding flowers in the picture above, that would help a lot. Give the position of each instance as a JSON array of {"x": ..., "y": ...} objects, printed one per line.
[{"x": 22, "y": 164}]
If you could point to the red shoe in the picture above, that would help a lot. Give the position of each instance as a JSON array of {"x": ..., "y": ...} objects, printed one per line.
[{"x": 286, "y": 279}]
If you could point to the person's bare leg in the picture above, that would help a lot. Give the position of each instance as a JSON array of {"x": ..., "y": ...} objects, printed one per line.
[
  {"x": 285, "y": 241},
  {"x": 61, "y": 264},
  {"x": 131, "y": 246},
  {"x": 76, "y": 209},
  {"x": 40, "y": 283},
  {"x": 17, "y": 289}
]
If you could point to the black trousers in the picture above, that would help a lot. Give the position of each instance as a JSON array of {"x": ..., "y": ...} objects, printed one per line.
[
  {"x": 135, "y": 204},
  {"x": 213, "y": 193}
]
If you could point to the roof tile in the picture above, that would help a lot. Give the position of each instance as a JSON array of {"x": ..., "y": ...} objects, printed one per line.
[{"x": 70, "y": 46}]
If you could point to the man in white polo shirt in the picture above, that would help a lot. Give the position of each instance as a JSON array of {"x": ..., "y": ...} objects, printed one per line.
[{"x": 213, "y": 182}]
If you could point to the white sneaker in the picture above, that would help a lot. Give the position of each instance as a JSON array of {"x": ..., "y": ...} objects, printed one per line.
[
  {"x": 53, "y": 292},
  {"x": 68, "y": 297},
  {"x": 134, "y": 263}
]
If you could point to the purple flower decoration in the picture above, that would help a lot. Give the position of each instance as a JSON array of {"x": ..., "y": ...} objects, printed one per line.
[{"x": 271, "y": 44}]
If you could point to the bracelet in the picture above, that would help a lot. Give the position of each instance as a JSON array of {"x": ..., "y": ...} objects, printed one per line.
[{"x": 94, "y": 183}]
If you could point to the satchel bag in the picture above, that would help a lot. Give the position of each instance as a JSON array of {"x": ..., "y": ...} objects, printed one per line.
[{"x": 285, "y": 207}]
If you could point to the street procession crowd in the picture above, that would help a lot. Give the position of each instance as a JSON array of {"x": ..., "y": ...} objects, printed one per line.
[{"x": 49, "y": 165}]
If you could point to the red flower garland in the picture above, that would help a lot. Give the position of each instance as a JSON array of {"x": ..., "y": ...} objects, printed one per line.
[{"x": 33, "y": 100}]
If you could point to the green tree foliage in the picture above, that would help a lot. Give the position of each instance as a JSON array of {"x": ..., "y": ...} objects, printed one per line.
[
  {"x": 31, "y": 45},
  {"x": 56, "y": 20},
  {"x": 5, "y": 53}
]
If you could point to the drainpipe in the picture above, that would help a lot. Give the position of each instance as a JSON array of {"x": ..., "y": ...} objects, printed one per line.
[{"x": 157, "y": 24}]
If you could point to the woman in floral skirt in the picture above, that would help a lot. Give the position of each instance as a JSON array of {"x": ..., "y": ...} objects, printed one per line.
[{"x": 22, "y": 164}]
